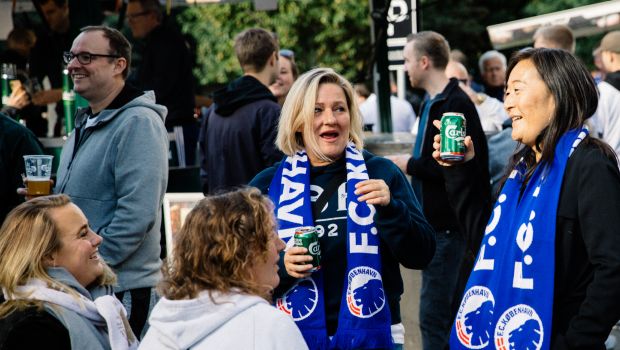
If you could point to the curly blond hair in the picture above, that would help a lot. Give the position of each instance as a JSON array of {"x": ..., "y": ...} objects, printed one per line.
[{"x": 219, "y": 242}]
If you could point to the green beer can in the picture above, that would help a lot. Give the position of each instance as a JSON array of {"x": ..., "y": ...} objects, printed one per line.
[
  {"x": 452, "y": 136},
  {"x": 308, "y": 237}
]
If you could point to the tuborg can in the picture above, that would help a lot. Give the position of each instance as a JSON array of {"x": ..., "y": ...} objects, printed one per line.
[
  {"x": 308, "y": 238},
  {"x": 452, "y": 136}
]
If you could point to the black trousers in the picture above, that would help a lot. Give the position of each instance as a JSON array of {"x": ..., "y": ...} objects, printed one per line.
[{"x": 140, "y": 302}]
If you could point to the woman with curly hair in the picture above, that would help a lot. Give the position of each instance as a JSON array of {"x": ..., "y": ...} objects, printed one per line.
[{"x": 219, "y": 279}]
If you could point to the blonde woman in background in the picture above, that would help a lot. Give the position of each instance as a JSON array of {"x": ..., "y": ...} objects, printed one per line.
[{"x": 286, "y": 77}]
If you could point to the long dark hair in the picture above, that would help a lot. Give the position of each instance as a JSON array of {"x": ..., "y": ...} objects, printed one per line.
[{"x": 575, "y": 95}]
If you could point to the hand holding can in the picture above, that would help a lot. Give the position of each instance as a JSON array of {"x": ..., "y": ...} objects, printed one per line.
[
  {"x": 308, "y": 237},
  {"x": 437, "y": 146},
  {"x": 452, "y": 136}
]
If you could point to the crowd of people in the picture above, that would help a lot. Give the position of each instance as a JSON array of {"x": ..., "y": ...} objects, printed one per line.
[{"x": 516, "y": 242}]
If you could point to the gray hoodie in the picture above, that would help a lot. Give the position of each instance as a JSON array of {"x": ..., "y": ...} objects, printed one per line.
[
  {"x": 118, "y": 175},
  {"x": 234, "y": 321}
]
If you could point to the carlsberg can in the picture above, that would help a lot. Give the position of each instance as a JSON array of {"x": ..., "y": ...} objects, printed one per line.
[
  {"x": 308, "y": 238},
  {"x": 452, "y": 136}
]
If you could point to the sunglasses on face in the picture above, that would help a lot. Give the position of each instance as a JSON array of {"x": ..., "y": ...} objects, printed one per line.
[{"x": 83, "y": 57}]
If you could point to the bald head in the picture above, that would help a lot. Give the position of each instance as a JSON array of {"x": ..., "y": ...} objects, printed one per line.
[{"x": 457, "y": 70}]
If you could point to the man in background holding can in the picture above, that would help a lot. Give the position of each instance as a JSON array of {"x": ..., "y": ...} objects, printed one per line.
[{"x": 426, "y": 56}]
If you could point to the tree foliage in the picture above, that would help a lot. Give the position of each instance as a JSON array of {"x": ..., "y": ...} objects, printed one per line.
[
  {"x": 332, "y": 33},
  {"x": 336, "y": 33},
  {"x": 540, "y": 7}
]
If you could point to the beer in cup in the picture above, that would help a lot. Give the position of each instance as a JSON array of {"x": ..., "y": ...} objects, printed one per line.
[{"x": 38, "y": 172}]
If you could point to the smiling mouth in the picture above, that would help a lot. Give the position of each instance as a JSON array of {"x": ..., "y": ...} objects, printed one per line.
[
  {"x": 329, "y": 135},
  {"x": 78, "y": 76},
  {"x": 516, "y": 117},
  {"x": 95, "y": 256}
]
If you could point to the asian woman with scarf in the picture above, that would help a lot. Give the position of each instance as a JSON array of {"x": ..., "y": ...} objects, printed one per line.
[
  {"x": 56, "y": 287},
  {"x": 547, "y": 274},
  {"x": 364, "y": 210}
]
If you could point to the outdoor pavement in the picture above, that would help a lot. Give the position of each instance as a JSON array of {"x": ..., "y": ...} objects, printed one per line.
[{"x": 409, "y": 308}]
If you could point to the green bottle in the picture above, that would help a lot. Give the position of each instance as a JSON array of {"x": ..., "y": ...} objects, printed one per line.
[{"x": 68, "y": 101}]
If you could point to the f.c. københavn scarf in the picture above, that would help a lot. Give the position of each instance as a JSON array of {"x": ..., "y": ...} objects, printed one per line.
[
  {"x": 508, "y": 300},
  {"x": 364, "y": 318}
]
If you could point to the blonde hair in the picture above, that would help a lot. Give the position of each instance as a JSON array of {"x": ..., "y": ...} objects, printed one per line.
[
  {"x": 298, "y": 113},
  {"x": 28, "y": 237},
  {"x": 221, "y": 239}
]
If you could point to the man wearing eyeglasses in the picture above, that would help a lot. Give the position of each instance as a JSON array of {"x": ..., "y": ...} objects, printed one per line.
[
  {"x": 114, "y": 165},
  {"x": 166, "y": 68}
]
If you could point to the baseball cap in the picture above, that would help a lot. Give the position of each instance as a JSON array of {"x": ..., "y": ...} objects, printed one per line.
[{"x": 611, "y": 42}]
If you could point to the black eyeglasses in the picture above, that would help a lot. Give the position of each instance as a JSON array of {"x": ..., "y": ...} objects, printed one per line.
[
  {"x": 288, "y": 54},
  {"x": 83, "y": 57}
]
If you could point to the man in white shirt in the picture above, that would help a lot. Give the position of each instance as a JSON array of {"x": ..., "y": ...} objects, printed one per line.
[
  {"x": 490, "y": 110},
  {"x": 607, "y": 117},
  {"x": 403, "y": 116}
]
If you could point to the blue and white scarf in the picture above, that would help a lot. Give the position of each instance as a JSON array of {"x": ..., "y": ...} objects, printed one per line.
[
  {"x": 364, "y": 319},
  {"x": 508, "y": 300}
]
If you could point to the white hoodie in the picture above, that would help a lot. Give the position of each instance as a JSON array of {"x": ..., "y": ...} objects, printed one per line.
[{"x": 235, "y": 321}]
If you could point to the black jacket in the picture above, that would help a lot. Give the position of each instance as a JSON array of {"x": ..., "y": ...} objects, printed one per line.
[
  {"x": 434, "y": 198},
  {"x": 15, "y": 142},
  {"x": 237, "y": 136},
  {"x": 166, "y": 68},
  {"x": 31, "y": 329},
  {"x": 586, "y": 300}
]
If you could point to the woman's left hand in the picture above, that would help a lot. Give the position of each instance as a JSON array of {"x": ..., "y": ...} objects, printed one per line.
[{"x": 373, "y": 191}]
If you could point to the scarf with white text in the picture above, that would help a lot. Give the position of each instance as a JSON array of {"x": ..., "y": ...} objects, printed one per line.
[
  {"x": 508, "y": 300},
  {"x": 364, "y": 318}
]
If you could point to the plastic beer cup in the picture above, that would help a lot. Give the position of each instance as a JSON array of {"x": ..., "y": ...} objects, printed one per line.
[{"x": 38, "y": 173}]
